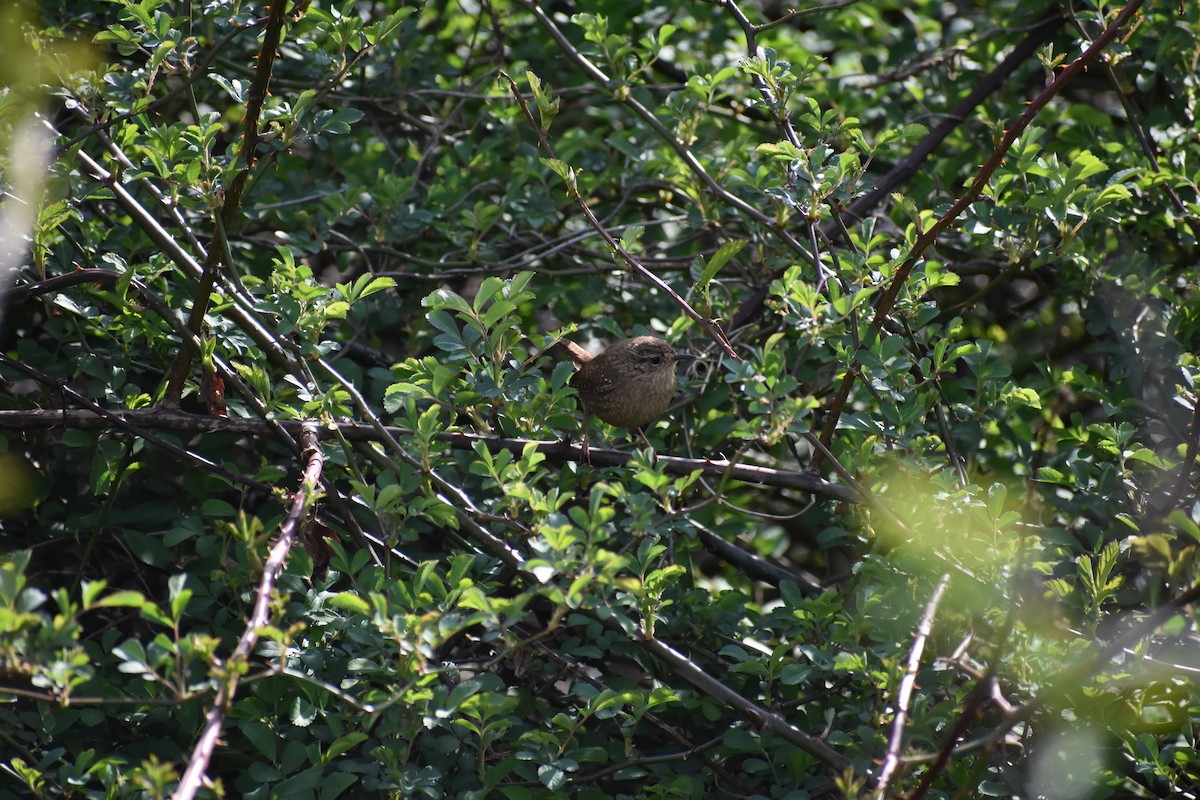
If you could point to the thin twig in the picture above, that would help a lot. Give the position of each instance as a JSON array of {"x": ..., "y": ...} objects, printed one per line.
[
  {"x": 753, "y": 306},
  {"x": 124, "y": 420},
  {"x": 1189, "y": 458},
  {"x": 260, "y": 617},
  {"x": 761, "y": 717},
  {"x": 94, "y": 416},
  {"x": 714, "y": 331},
  {"x": 672, "y": 141},
  {"x": 883, "y": 306},
  {"x": 904, "y": 696},
  {"x": 754, "y": 566},
  {"x": 256, "y": 98}
]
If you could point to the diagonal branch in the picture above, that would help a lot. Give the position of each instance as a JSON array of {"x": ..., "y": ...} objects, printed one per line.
[
  {"x": 883, "y": 307},
  {"x": 904, "y": 695},
  {"x": 909, "y": 166},
  {"x": 767, "y": 720},
  {"x": 709, "y": 327},
  {"x": 303, "y": 499},
  {"x": 233, "y": 198},
  {"x": 681, "y": 150}
]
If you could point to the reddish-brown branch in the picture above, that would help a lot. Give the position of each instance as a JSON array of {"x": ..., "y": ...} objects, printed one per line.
[
  {"x": 257, "y": 96},
  {"x": 906, "y": 168},
  {"x": 260, "y": 617},
  {"x": 887, "y": 300}
]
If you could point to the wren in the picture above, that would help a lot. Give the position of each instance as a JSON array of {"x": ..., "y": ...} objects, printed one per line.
[{"x": 629, "y": 385}]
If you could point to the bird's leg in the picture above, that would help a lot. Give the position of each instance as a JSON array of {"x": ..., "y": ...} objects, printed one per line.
[
  {"x": 642, "y": 434},
  {"x": 587, "y": 457},
  {"x": 653, "y": 452}
]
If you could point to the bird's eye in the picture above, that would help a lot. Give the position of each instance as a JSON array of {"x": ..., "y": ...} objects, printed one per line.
[{"x": 656, "y": 360}]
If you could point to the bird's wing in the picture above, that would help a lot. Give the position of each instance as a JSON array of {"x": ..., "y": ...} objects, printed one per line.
[{"x": 592, "y": 384}]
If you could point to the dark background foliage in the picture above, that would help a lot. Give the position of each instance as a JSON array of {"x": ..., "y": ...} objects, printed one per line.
[{"x": 958, "y": 559}]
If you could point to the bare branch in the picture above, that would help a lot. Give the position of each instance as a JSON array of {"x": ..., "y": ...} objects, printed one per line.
[{"x": 260, "y": 617}]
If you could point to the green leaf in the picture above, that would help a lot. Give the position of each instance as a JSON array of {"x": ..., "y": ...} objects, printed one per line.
[
  {"x": 719, "y": 259},
  {"x": 447, "y": 300},
  {"x": 344, "y": 744},
  {"x": 261, "y": 736},
  {"x": 631, "y": 236},
  {"x": 180, "y": 595},
  {"x": 123, "y": 599},
  {"x": 351, "y": 602},
  {"x": 547, "y": 105}
]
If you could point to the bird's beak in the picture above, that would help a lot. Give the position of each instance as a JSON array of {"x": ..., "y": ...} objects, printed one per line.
[{"x": 685, "y": 357}]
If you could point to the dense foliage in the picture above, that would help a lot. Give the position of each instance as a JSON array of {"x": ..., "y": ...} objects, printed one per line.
[{"x": 286, "y": 279}]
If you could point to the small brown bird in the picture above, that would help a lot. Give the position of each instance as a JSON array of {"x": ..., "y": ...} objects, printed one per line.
[{"x": 628, "y": 385}]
